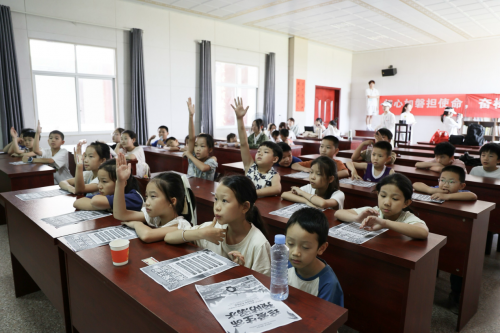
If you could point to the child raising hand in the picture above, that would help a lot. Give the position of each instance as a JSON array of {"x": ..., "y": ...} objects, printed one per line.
[{"x": 266, "y": 180}]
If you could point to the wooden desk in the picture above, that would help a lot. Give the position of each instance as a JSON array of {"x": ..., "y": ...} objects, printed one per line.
[
  {"x": 370, "y": 134},
  {"x": 100, "y": 291},
  {"x": 458, "y": 146},
  {"x": 160, "y": 160},
  {"x": 312, "y": 146},
  {"x": 460, "y": 150},
  {"x": 20, "y": 177},
  {"x": 36, "y": 261},
  {"x": 409, "y": 265},
  {"x": 423, "y": 153}
]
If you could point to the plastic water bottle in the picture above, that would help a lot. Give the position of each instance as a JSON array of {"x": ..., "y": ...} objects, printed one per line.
[
  {"x": 158, "y": 145},
  {"x": 279, "y": 269}
]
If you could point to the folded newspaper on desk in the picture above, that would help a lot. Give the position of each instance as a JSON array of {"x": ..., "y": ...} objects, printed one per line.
[
  {"x": 289, "y": 210},
  {"x": 95, "y": 238},
  {"x": 40, "y": 195},
  {"x": 424, "y": 197},
  {"x": 356, "y": 182},
  {"x": 351, "y": 232},
  {"x": 298, "y": 175},
  {"x": 245, "y": 305}
]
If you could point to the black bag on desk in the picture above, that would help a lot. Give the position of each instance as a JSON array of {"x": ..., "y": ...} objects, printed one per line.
[
  {"x": 469, "y": 160},
  {"x": 475, "y": 135},
  {"x": 457, "y": 139}
]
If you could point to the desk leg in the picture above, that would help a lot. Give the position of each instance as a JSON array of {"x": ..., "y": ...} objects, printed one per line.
[
  {"x": 471, "y": 286},
  {"x": 23, "y": 283},
  {"x": 3, "y": 216},
  {"x": 64, "y": 284}
]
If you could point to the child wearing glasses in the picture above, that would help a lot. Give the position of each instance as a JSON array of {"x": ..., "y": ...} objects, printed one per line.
[{"x": 451, "y": 185}]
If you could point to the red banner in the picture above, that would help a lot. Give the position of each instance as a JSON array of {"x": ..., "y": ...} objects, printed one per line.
[
  {"x": 300, "y": 95},
  {"x": 425, "y": 105},
  {"x": 484, "y": 105}
]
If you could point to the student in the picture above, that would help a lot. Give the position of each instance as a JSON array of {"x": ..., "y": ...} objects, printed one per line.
[
  {"x": 201, "y": 165},
  {"x": 284, "y": 125},
  {"x": 129, "y": 144},
  {"x": 388, "y": 119},
  {"x": 166, "y": 208},
  {"x": 19, "y": 141},
  {"x": 377, "y": 169},
  {"x": 117, "y": 135},
  {"x": 306, "y": 238},
  {"x": 28, "y": 141},
  {"x": 275, "y": 137},
  {"x": 162, "y": 136},
  {"x": 451, "y": 185},
  {"x": 392, "y": 212},
  {"x": 318, "y": 128},
  {"x": 288, "y": 159},
  {"x": 266, "y": 180},
  {"x": 329, "y": 147},
  {"x": 444, "y": 155},
  {"x": 258, "y": 136},
  {"x": 284, "y": 136},
  {"x": 359, "y": 154},
  {"x": 323, "y": 190},
  {"x": 55, "y": 156},
  {"x": 231, "y": 138},
  {"x": 449, "y": 124},
  {"x": 292, "y": 127},
  {"x": 490, "y": 155},
  {"x": 332, "y": 129},
  {"x": 237, "y": 231},
  {"x": 86, "y": 181},
  {"x": 106, "y": 186},
  {"x": 270, "y": 129}
]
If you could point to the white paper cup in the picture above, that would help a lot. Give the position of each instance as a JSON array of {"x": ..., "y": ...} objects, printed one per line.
[{"x": 119, "y": 251}]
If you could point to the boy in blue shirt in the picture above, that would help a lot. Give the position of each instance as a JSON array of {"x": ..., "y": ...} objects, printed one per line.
[
  {"x": 288, "y": 159},
  {"x": 306, "y": 238},
  {"x": 162, "y": 136}
]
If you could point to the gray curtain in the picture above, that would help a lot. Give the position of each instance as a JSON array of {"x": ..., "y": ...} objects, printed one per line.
[
  {"x": 205, "y": 102},
  {"x": 11, "y": 112},
  {"x": 139, "y": 111},
  {"x": 269, "y": 89}
]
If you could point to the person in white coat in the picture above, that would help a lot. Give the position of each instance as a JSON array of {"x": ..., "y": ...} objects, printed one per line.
[
  {"x": 372, "y": 100},
  {"x": 388, "y": 118},
  {"x": 407, "y": 116},
  {"x": 449, "y": 124}
]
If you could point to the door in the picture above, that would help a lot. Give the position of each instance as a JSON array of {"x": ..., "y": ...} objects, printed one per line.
[{"x": 326, "y": 104}]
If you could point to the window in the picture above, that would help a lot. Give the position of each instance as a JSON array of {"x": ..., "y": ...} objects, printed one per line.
[
  {"x": 74, "y": 86},
  {"x": 233, "y": 81}
]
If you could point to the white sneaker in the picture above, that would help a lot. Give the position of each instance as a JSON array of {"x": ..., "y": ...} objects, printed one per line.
[{"x": 368, "y": 128}]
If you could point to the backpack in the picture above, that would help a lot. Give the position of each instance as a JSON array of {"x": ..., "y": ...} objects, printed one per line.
[
  {"x": 475, "y": 135},
  {"x": 457, "y": 139},
  {"x": 469, "y": 160},
  {"x": 439, "y": 136}
]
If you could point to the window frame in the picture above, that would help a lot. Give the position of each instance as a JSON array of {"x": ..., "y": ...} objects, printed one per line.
[
  {"x": 236, "y": 86},
  {"x": 76, "y": 76}
]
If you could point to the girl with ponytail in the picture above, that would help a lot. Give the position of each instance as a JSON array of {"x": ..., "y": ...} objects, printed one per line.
[
  {"x": 170, "y": 204},
  {"x": 237, "y": 231}
]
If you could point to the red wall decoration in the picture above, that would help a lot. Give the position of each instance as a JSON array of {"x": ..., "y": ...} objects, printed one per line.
[
  {"x": 300, "y": 95},
  {"x": 425, "y": 105},
  {"x": 484, "y": 105}
]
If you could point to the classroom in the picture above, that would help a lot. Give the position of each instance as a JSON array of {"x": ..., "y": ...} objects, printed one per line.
[{"x": 249, "y": 166}]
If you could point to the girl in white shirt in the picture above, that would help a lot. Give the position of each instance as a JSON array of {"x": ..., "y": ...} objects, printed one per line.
[
  {"x": 392, "y": 212},
  {"x": 237, "y": 231},
  {"x": 407, "y": 116},
  {"x": 170, "y": 205},
  {"x": 86, "y": 181},
  {"x": 131, "y": 148},
  {"x": 449, "y": 124},
  {"x": 332, "y": 129},
  {"x": 323, "y": 190}
]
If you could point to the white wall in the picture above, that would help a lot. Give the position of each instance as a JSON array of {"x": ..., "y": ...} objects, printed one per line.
[
  {"x": 460, "y": 68},
  {"x": 171, "y": 53}
]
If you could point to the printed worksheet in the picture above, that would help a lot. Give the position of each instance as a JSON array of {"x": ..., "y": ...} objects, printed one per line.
[
  {"x": 289, "y": 210},
  {"x": 19, "y": 163},
  {"x": 175, "y": 273},
  {"x": 244, "y": 305},
  {"x": 95, "y": 238},
  {"x": 356, "y": 182},
  {"x": 75, "y": 217},
  {"x": 424, "y": 197},
  {"x": 40, "y": 195},
  {"x": 350, "y": 232},
  {"x": 299, "y": 175}
]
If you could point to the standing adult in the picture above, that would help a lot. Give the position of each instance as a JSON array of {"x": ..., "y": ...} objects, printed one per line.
[
  {"x": 449, "y": 124},
  {"x": 388, "y": 118},
  {"x": 407, "y": 116},
  {"x": 372, "y": 102}
]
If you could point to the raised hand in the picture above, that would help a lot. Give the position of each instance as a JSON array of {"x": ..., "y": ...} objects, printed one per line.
[
  {"x": 152, "y": 137},
  {"x": 123, "y": 170},
  {"x": 13, "y": 133},
  {"x": 239, "y": 110},
  {"x": 238, "y": 257},
  {"x": 373, "y": 223},
  {"x": 39, "y": 127},
  {"x": 213, "y": 234},
  {"x": 190, "y": 107}
]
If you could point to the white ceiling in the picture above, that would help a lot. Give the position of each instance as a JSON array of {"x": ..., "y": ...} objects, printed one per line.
[{"x": 357, "y": 25}]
